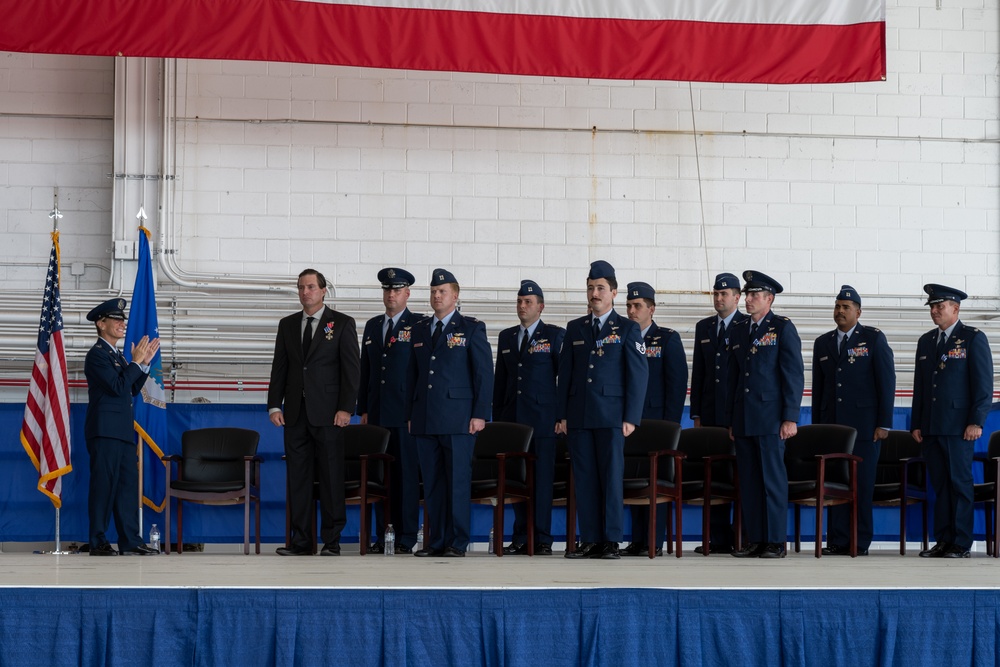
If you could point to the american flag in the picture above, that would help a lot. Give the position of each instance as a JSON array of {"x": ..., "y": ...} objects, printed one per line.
[{"x": 45, "y": 429}]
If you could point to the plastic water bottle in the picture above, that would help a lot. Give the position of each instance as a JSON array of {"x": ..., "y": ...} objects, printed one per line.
[
  {"x": 491, "y": 542},
  {"x": 390, "y": 541},
  {"x": 154, "y": 537},
  {"x": 420, "y": 538}
]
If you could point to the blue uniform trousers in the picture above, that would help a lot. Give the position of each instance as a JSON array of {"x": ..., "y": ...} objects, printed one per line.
[
  {"x": 598, "y": 460},
  {"x": 114, "y": 491},
  {"x": 404, "y": 511},
  {"x": 446, "y": 468},
  {"x": 949, "y": 463},
  {"x": 839, "y": 533},
  {"x": 760, "y": 460},
  {"x": 544, "y": 450}
]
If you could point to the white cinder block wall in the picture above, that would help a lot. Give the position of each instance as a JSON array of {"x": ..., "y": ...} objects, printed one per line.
[{"x": 884, "y": 185}]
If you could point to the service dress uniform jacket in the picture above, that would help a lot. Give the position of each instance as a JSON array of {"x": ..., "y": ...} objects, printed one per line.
[
  {"x": 311, "y": 391},
  {"x": 952, "y": 389},
  {"x": 382, "y": 396},
  {"x": 710, "y": 370},
  {"x": 602, "y": 383},
  {"x": 524, "y": 392},
  {"x": 666, "y": 390},
  {"x": 449, "y": 384},
  {"x": 709, "y": 396},
  {"x": 856, "y": 388},
  {"x": 382, "y": 392},
  {"x": 766, "y": 383},
  {"x": 112, "y": 382}
]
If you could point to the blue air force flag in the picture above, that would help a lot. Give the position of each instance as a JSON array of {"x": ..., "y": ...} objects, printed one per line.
[{"x": 151, "y": 404}]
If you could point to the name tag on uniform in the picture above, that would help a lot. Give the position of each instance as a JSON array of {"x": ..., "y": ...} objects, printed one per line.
[
  {"x": 823, "y": 358},
  {"x": 705, "y": 340},
  {"x": 368, "y": 342},
  {"x": 736, "y": 347},
  {"x": 504, "y": 351},
  {"x": 578, "y": 342},
  {"x": 922, "y": 358},
  {"x": 418, "y": 345}
]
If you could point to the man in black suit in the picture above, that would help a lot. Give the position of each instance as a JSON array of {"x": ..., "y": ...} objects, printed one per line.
[
  {"x": 854, "y": 384},
  {"x": 524, "y": 392},
  {"x": 710, "y": 386},
  {"x": 312, "y": 394},
  {"x": 385, "y": 357},
  {"x": 110, "y": 433},
  {"x": 952, "y": 393}
]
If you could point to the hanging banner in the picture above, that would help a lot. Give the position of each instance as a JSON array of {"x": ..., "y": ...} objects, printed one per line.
[{"x": 738, "y": 41}]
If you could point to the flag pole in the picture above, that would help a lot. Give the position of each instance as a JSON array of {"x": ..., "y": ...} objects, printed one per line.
[{"x": 55, "y": 215}]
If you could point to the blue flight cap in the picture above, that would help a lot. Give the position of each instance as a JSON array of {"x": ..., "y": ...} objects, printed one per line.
[
  {"x": 393, "y": 278},
  {"x": 601, "y": 269},
  {"x": 641, "y": 291},
  {"x": 848, "y": 293},
  {"x": 938, "y": 293},
  {"x": 726, "y": 281},
  {"x": 760, "y": 282},
  {"x": 442, "y": 277},
  {"x": 531, "y": 288},
  {"x": 112, "y": 308}
]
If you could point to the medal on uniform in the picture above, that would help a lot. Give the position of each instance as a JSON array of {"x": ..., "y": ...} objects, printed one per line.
[
  {"x": 328, "y": 330},
  {"x": 600, "y": 347},
  {"x": 944, "y": 357}
]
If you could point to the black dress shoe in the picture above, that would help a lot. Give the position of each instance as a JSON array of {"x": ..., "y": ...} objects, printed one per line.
[
  {"x": 937, "y": 551},
  {"x": 517, "y": 550},
  {"x": 609, "y": 552},
  {"x": 293, "y": 551},
  {"x": 452, "y": 552},
  {"x": 377, "y": 548},
  {"x": 427, "y": 553},
  {"x": 773, "y": 550},
  {"x": 955, "y": 551},
  {"x": 330, "y": 549},
  {"x": 404, "y": 550},
  {"x": 585, "y": 550},
  {"x": 103, "y": 550},
  {"x": 543, "y": 550},
  {"x": 750, "y": 550},
  {"x": 634, "y": 549},
  {"x": 836, "y": 550},
  {"x": 714, "y": 548},
  {"x": 140, "y": 550}
]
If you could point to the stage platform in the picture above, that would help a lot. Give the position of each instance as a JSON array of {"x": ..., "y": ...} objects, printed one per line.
[{"x": 223, "y": 608}]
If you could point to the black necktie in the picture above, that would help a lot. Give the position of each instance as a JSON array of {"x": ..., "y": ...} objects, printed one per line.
[
  {"x": 597, "y": 328},
  {"x": 307, "y": 336},
  {"x": 722, "y": 329},
  {"x": 843, "y": 344},
  {"x": 942, "y": 344},
  {"x": 388, "y": 333},
  {"x": 753, "y": 332},
  {"x": 437, "y": 333},
  {"x": 524, "y": 342}
]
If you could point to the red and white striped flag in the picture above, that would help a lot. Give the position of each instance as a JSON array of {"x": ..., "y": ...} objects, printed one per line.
[
  {"x": 740, "y": 41},
  {"x": 45, "y": 429}
]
